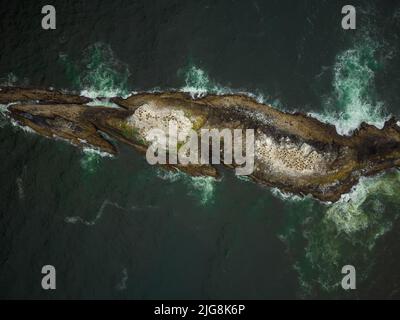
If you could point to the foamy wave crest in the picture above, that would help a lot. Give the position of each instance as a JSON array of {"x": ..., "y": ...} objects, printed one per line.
[
  {"x": 3, "y": 114},
  {"x": 203, "y": 188},
  {"x": 286, "y": 196},
  {"x": 198, "y": 84},
  {"x": 171, "y": 176},
  {"x": 99, "y": 73},
  {"x": 19, "y": 126},
  {"x": 352, "y": 101},
  {"x": 98, "y": 216},
  {"x": 352, "y": 225},
  {"x": 100, "y": 93},
  {"x": 96, "y": 102},
  {"x": 9, "y": 80},
  {"x": 92, "y": 158},
  {"x": 93, "y": 150},
  {"x": 364, "y": 206}
]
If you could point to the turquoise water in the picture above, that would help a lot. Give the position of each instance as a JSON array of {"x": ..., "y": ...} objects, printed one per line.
[{"x": 116, "y": 228}]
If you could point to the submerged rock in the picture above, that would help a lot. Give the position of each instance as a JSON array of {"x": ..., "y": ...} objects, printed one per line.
[{"x": 294, "y": 152}]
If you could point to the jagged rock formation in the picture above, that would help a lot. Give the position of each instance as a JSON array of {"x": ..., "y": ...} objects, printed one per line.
[
  {"x": 293, "y": 152},
  {"x": 11, "y": 94}
]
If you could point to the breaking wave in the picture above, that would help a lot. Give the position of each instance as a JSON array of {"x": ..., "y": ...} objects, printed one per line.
[
  {"x": 202, "y": 188},
  {"x": 99, "y": 73},
  {"x": 351, "y": 225},
  {"x": 198, "y": 83},
  {"x": 353, "y": 99},
  {"x": 91, "y": 159},
  {"x": 346, "y": 232},
  {"x": 100, "y": 213},
  {"x": 366, "y": 204}
]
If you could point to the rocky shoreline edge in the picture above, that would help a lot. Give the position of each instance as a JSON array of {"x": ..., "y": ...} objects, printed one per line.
[{"x": 293, "y": 152}]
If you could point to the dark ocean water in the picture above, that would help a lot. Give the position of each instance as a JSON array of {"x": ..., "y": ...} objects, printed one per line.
[{"x": 117, "y": 228}]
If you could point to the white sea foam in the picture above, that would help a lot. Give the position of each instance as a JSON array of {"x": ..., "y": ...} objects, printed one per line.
[
  {"x": 351, "y": 101},
  {"x": 100, "y": 213},
  {"x": 22, "y": 127},
  {"x": 350, "y": 215},
  {"x": 97, "y": 102},
  {"x": 203, "y": 188},
  {"x": 286, "y": 196},
  {"x": 92, "y": 157},
  {"x": 96, "y": 94},
  {"x": 199, "y": 84},
  {"x": 93, "y": 150}
]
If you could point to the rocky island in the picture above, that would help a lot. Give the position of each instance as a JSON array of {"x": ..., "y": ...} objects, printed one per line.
[{"x": 293, "y": 152}]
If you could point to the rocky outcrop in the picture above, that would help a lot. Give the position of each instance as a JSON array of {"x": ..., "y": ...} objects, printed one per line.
[
  {"x": 293, "y": 152},
  {"x": 12, "y": 94}
]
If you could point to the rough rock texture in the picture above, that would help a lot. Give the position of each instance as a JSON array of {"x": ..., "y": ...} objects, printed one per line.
[
  {"x": 66, "y": 122},
  {"x": 293, "y": 152},
  {"x": 14, "y": 94}
]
